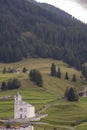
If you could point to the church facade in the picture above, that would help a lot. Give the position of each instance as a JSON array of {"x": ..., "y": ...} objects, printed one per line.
[{"x": 22, "y": 109}]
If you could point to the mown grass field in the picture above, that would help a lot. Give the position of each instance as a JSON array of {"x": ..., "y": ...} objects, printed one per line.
[
  {"x": 61, "y": 114},
  {"x": 83, "y": 126}
]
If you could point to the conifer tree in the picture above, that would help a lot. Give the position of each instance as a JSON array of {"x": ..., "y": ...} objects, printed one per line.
[
  {"x": 72, "y": 95},
  {"x": 84, "y": 71},
  {"x": 59, "y": 73},
  {"x": 3, "y": 86},
  {"x": 8, "y": 126},
  {"x": 53, "y": 69},
  {"x": 24, "y": 70},
  {"x": 66, "y": 76},
  {"x": 38, "y": 78},
  {"x": 4, "y": 71},
  {"x": 74, "y": 78}
]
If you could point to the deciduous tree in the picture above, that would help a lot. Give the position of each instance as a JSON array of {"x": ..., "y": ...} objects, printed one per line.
[
  {"x": 36, "y": 76},
  {"x": 13, "y": 84}
]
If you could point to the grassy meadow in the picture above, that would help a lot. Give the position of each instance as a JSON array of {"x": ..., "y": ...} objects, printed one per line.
[{"x": 61, "y": 114}]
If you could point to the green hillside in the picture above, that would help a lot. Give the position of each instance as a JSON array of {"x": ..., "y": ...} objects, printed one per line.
[{"x": 47, "y": 99}]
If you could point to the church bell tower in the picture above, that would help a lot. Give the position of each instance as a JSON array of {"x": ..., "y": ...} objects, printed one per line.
[{"x": 18, "y": 100}]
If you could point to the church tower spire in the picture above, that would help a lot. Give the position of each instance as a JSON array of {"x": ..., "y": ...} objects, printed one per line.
[{"x": 18, "y": 97}]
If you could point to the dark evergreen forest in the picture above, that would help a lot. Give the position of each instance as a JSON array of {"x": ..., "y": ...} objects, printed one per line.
[{"x": 29, "y": 29}]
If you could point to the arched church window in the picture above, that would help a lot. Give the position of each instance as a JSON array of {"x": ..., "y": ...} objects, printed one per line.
[{"x": 21, "y": 109}]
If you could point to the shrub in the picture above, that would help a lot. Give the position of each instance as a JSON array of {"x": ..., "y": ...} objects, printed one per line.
[{"x": 13, "y": 84}]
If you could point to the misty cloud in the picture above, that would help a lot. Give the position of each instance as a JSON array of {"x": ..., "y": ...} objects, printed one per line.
[{"x": 83, "y": 3}]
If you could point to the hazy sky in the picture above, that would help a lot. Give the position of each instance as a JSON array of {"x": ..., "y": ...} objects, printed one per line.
[{"x": 77, "y": 8}]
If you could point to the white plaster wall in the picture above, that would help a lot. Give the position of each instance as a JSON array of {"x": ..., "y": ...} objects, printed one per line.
[
  {"x": 31, "y": 111},
  {"x": 27, "y": 109},
  {"x": 23, "y": 113},
  {"x": 26, "y": 113}
]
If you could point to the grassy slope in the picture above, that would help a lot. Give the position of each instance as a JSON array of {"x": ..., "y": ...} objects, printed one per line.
[
  {"x": 82, "y": 126},
  {"x": 60, "y": 112}
]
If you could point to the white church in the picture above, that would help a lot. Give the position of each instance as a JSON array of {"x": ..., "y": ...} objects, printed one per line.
[{"x": 22, "y": 109}]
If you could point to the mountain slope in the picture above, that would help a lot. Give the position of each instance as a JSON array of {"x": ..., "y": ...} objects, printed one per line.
[
  {"x": 46, "y": 99},
  {"x": 33, "y": 30}
]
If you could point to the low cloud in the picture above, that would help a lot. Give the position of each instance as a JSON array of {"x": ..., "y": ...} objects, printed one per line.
[{"x": 83, "y": 3}]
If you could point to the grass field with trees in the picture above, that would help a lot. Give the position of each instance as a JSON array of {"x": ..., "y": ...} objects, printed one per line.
[{"x": 62, "y": 115}]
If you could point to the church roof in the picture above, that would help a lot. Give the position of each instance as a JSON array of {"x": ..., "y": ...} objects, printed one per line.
[{"x": 23, "y": 102}]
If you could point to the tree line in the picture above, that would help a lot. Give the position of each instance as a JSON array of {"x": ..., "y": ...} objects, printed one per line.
[
  {"x": 10, "y": 84},
  {"x": 58, "y": 74},
  {"x": 71, "y": 94},
  {"x": 13, "y": 70},
  {"x": 28, "y": 30},
  {"x": 84, "y": 71},
  {"x": 34, "y": 75}
]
